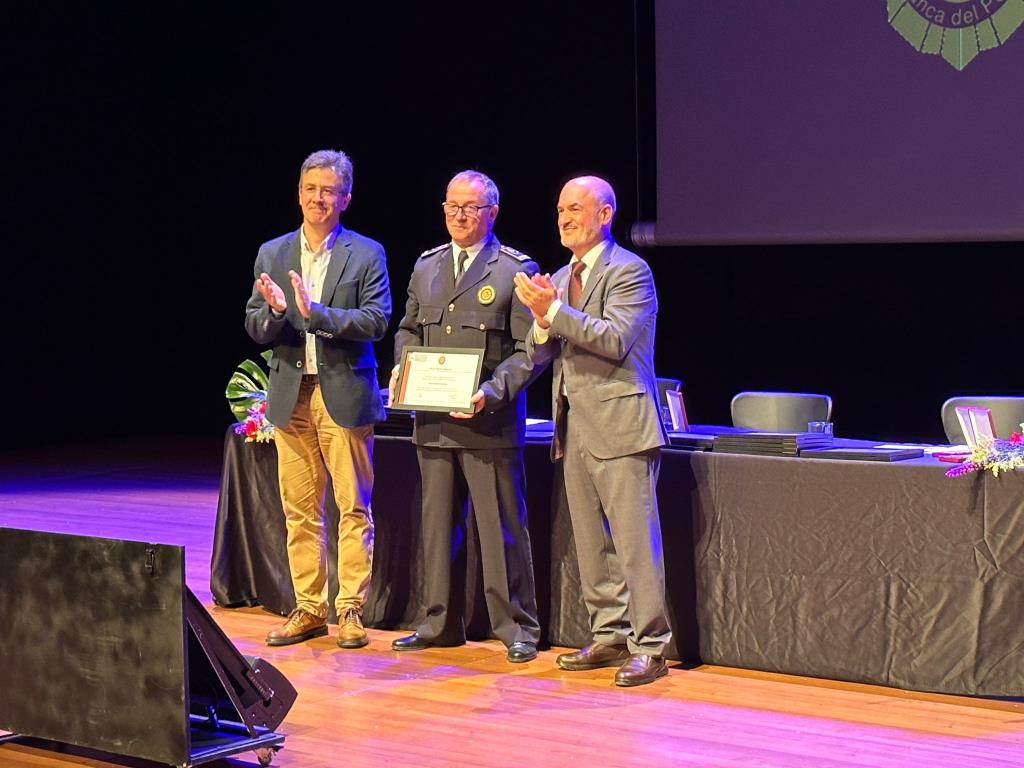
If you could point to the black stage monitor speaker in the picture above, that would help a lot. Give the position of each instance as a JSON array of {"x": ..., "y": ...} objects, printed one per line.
[{"x": 105, "y": 647}]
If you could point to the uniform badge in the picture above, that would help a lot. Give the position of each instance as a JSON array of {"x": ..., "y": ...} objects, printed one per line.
[
  {"x": 957, "y": 30},
  {"x": 485, "y": 295}
]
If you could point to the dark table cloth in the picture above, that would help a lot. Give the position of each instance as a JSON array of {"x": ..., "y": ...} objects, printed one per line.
[
  {"x": 872, "y": 572},
  {"x": 250, "y": 563},
  {"x": 864, "y": 571}
]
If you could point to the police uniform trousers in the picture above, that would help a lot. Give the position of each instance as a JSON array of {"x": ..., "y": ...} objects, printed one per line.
[
  {"x": 495, "y": 480},
  {"x": 613, "y": 505},
  {"x": 310, "y": 446}
]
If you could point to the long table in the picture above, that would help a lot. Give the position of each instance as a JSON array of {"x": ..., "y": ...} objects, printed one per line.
[{"x": 865, "y": 571}]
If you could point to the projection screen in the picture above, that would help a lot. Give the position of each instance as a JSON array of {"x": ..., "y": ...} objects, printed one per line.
[{"x": 841, "y": 121}]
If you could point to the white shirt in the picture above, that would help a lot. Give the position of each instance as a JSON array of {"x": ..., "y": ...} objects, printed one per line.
[
  {"x": 314, "y": 269},
  {"x": 471, "y": 252},
  {"x": 589, "y": 259}
]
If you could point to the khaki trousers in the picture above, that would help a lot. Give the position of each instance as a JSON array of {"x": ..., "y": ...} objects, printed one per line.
[{"x": 307, "y": 449}]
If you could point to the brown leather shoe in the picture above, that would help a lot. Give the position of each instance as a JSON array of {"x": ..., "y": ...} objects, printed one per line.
[
  {"x": 300, "y": 626},
  {"x": 593, "y": 656},
  {"x": 641, "y": 669},
  {"x": 350, "y": 629}
]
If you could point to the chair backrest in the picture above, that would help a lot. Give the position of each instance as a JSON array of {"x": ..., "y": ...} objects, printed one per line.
[
  {"x": 779, "y": 411},
  {"x": 1007, "y": 415},
  {"x": 667, "y": 385}
]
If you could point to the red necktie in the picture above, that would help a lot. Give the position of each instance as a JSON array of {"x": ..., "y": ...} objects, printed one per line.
[{"x": 576, "y": 284}]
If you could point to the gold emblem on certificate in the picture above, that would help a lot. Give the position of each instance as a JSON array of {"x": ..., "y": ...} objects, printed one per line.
[
  {"x": 485, "y": 295},
  {"x": 438, "y": 379}
]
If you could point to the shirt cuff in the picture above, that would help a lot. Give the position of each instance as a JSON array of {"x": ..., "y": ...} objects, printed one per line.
[
  {"x": 553, "y": 310},
  {"x": 540, "y": 335}
]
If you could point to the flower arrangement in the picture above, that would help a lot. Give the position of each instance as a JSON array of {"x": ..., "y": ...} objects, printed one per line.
[
  {"x": 256, "y": 428},
  {"x": 247, "y": 397},
  {"x": 996, "y": 455}
]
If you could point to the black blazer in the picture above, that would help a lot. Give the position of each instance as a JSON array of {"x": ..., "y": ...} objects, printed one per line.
[{"x": 353, "y": 312}]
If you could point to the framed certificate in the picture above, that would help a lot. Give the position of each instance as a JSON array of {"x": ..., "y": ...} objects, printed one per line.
[{"x": 438, "y": 379}]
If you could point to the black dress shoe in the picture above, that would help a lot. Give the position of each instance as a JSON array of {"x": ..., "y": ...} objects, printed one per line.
[
  {"x": 593, "y": 656},
  {"x": 520, "y": 652},
  {"x": 411, "y": 642},
  {"x": 641, "y": 669}
]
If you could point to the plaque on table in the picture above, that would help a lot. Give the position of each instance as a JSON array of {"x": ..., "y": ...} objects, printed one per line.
[
  {"x": 438, "y": 379},
  {"x": 690, "y": 440},
  {"x": 976, "y": 424},
  {"x": 771, "y": 443},
  {"x": 863, "y": 454}
]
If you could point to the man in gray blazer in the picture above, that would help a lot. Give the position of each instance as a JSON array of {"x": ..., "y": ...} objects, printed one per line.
[
  {"x": 596, "y": 320},
  {"x": 323, "y": 397},
  {"x": 461, "y": 295}
]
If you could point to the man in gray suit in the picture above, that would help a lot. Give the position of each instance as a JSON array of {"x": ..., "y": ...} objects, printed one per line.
[
  {"x": 323, "y": 397},
  {"x": 461, "y": 295},
  {"x": 596, "y": 320}
]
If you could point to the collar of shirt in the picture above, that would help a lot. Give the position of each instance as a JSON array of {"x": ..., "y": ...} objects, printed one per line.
[
  {"x": 472, "y": 252},
  {"x": 325, "y": 246},
  {"x": 590, "y": 259}
]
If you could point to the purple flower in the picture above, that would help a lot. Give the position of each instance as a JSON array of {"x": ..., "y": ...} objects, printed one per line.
[{"x": 963, "y": 469}]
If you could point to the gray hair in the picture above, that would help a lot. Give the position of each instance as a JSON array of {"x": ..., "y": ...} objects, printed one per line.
[
  {"x": 333, "y": 160},
  {"x": 490, "y": 188}
]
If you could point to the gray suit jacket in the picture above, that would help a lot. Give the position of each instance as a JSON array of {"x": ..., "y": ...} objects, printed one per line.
[
  {"x": 604, "y": 354},
  {"x": 353, "y": 312},
  {"x": 440, "y": 314}
]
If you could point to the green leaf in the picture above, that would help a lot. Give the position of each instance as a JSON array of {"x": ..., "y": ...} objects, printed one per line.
[
  {"x": 240, "y": 410},
  {"x": 242, "y": 383},
  {"x": 247, "y": 387},
  {"x": 255, "y": 371}
]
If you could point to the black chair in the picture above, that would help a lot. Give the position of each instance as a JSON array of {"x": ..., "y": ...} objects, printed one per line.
[
  {"x": 779, "y": 411},
  {"x": 1007, "y": 415}
]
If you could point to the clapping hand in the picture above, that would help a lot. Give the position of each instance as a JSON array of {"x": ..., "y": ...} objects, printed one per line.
[
  {"x": 271, "y": 293},
  {"x": 537, "y": 294},
  {"x": 301, "y": 297}
]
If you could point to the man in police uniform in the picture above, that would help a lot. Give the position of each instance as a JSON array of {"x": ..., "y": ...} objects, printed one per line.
[{"x": 461, "y": 295}]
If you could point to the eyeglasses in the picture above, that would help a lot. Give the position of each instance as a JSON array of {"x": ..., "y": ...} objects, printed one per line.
[{"x": 451, "y": 210}]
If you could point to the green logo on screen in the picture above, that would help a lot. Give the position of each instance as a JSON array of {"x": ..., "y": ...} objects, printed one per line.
[{"x": 956, "y": 30}]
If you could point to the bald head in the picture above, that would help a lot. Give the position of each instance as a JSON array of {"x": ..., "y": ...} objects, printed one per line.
[
  {"x": 586, "y": 208},
  {"x": 598, "y": 187}
]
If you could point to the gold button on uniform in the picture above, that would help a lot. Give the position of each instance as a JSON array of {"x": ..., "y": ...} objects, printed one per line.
[
  {"x": 451, "y": 307},
  {"x": 483, "y": 327},
  {"x": 447, "y": 329}
]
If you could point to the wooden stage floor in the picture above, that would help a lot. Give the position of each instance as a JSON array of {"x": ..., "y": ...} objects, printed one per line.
[{"x": 467, "y": 706}]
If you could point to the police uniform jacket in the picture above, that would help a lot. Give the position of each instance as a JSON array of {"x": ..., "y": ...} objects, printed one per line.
[{"x": 481, "y": 312}]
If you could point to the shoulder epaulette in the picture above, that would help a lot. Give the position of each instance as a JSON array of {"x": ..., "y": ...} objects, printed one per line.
[
  {"x": 430, "y": 251},
  {"x": 514, "y": 253}
]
